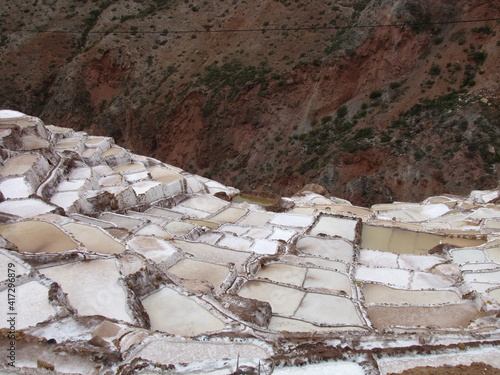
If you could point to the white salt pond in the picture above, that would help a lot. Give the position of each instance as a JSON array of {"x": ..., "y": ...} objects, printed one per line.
[
  {"x": 31, "y": 305},
  {"x": 87, "y": 295},
  {"x": 328, "y": 309},
  {"x": 94, "y": 239},
  {"x": 129, "y": 168},
  {"x": 396, "y": 277},
  {"x": 153, "y": 248},
  {"x": 327, "y": 281},
  {"x": 164, "y": 175},
  {"x": 283, "y": 273},
  {"x": 256, "y": 219},
  {"x": 191, "y": 269},
  {"x": 167, "y": 312},
  {"x": 292, "y": 220},
  {"x": 334, "y": 226},
  {"x": 205, "y": 203},
  {"x": 283, "y": 300},
  {"x": 229, "y": 215},
  {"x": 337, "y": 249},
  {"x": 37, "y": 237},
  {"x": 16, "y": 187},
  {"x": 212, "y": 253},
  {"x": 282, "y": 324},
  {"x": 169, "y": 351}
]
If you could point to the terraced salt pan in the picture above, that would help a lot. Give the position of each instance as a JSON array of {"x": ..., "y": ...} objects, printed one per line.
[
  {"x": 19, "y": 165},
  {"x": 94, "y": 239},
  {"x": 292, "y": 220},
  {"x": 425, "y": 280},
  {"x": 235, "y": 229},
  {"x": 334, "y": 226},
  {"x": 37, "y": 237},
  {"x": 313, "y": 261},
  {"x": 282, "y": 234},
  {"x": 179, "y": 228},
  {"x": 283, "y": 300},
  {"x": 390, "y": 276},
  {"x": 112, "y": 151},
  {"x": 263, "y": 246},
  {"x": 419, "y": 262},
  {"x": 462, "y": 256},
  {"x": 229, "y": 215},
  {"x": 87, "y": 295},
  {"x": 256, "y": 219},
  {"x": 380, "y": 294},
  {"x": 32, "y": 142},
  {"x": 235, "y": 243},
  {"x": 5, "y": 259},
  {"x": 328, "y": 248},
  {"x": 129, "y": 168},
  {"x": 416, "y": 214},
  {"x": 490, "y": 277},
  {"x": 167, "y": 312},
  {"x": 197, "y": 270},
  {"x": 345, "y": 209},
  {"x": 65, "y": 199},
  {"x": 495, "y": 293},
  {"x": 212, "y": 253},
  {"x": 283, "y": 273},
  {"x": 327, "y": 281},
  {"x": 258, "y": 233},
  {"x": 282, "y": 324},
  {"x": 168, "y": 351},
  {"x": 190, "y": 212},
  {"x": 446, "y": 316},
  {"x": 121, "y": 220},
  {"x": 206, "y": 203},
  {"x": 16, "y": 187},
  {"x": 390, "y": 365},
  {"x": 156, "y": 231},
  {"x": 375, "y": 258},
  {"x": 494, "y": 254},
  {"x": 399, "y": 241},
  {"x": 32, "y": 305},
  {"x": 337, "y": 368},
  {"x": 328, "y": 309},
  {"x": 164, "y": 175},
  {"x": 153, "y": 248},
  {"x": 164, "y": 213}
]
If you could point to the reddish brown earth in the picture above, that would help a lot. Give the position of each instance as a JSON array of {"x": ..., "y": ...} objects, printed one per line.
[
  {"x": 474, "y": 369},
  {"x": 267, "y": 128}
]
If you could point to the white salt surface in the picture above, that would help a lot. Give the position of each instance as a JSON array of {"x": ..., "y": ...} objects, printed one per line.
[
  {"x": 236, "y": 243},
  {"x": 144, "y": 186},
  {"x": 71, "y": 185},
  {"x": 65, "y": 199},
  {"x": 5, "y": 260},
  {"x": 19, "y": 165},
  {"x": 374, "y": 258},
  {"x": 327, "y": 309},
  {"x": 282, "y": 234},
  {"x": 424, "y": 280},
  {"x": 190, "y": 212},
  {"x": 256, "y": 219},
  {"x": 419, "y": 213},
  {"x": 327, "y": 368},
  {"x": 283, "y": 273},
  {"x": 492, "y": 277},
  {"x": 167, "y": 311},
  {"x": 334, "y": 226},
  {"x": 396, "y": 277},
  {"x": 261, "y": 246},
  {"x": 258, "y": 233},
  {"x": 292, "y": 220},
  {"x": 25, "y": 207},
  {"x": 153, "y": 248},
  {"x": 197, "y": 270},
  {"x": 462, "y": 256},
  {"x": 236, "y": 229},
  {"x": 283, "y": 300},
  {"x": 328, "y": 248},
  {"x": 31, "y": 305},
  {"x": 167, "y": 351},
  {"x": 94, "y": 239},
  {"x": 154, "y": 230},
  {"x": 9, "y": 113},
  {"x": 419, "y": 262},
  {"x": 87, "y": 295},
  {"x": 16, "y": 188},
  {"x": 327, "y": 280},
  {"x": 63, "y": 330},
  {"x": 205, "y": 203}
]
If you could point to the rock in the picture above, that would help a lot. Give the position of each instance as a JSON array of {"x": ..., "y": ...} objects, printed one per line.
[
  {"x": 247, "y": 309},
  {"x": 314, "y": 188}
]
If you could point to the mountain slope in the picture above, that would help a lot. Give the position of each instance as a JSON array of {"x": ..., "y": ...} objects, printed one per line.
[{"x": 373, "y": 114}]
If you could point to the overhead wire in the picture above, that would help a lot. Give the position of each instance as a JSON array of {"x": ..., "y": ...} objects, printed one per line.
[{"x": 252, "y": 30}]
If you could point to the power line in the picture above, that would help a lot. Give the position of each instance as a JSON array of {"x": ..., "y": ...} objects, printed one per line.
[{"x": 264, "y": 29}]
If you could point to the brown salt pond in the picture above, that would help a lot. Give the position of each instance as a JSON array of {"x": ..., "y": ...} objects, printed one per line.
[
  {"x": 380, "y": 294},
  {"x": 253, "y": 199},
  {"x": 37, "y": 237},
  {"x": 94, "y": 239},
  {"x": 447, "y": 316},
  {"x": 19, "y": 165},
  {"x": 203, "y": 271}
]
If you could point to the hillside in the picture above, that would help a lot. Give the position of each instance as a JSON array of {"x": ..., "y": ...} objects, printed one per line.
[{"x": 372, "y": 114}]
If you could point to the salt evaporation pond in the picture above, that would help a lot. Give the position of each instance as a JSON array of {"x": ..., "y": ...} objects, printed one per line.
[
  {"x": 334, "y": 226},
  {"x": 37, "y": 237},
  {"x": 283, "y": 300},
  {"x": 327, "y": 368},
  {"x": 203, "y": 271},
  {"x": 87, "y": 295},
  {"x": 381, "y": 294},
  {"x": 19, "y": 165},
  {"x": 94, "y": 239},
  {"x": 167, "y": 310},
  {"x": 252, "y": 199},
  {"x": 283, "y": 273},
  {"x": 337, "y": 249}
]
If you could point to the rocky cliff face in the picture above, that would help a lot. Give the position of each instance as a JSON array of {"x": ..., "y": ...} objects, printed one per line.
[{"x": 372, "y": 114}]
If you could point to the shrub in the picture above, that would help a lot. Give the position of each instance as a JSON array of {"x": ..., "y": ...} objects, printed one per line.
[{"x": 375, "y": 94}]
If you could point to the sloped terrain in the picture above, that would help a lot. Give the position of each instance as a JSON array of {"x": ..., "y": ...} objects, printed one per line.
[
  {"x": 269, "y": 94},
  {"x": 119, "y": 263}
]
